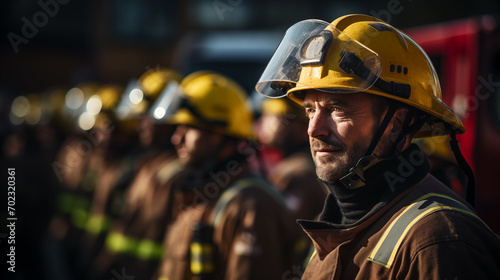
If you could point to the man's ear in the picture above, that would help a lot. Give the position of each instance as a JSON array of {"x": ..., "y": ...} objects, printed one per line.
[{"x": 397, "y": 122}]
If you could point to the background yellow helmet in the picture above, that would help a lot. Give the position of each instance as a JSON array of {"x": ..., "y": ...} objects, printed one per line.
[
  {"x": 140, "y": 95},
  {"x": 360, "y": 53},
  {"x": 436, "y": 147},
  {"x": 40, "y": 108},
  {"x": 76, "y": 98},
  {"x": 100, "y": 107},
  {"x": 212, "y": 101},
  {"x": 285, "y": 108},
  {"x": 27, "y": 109},
  {"x": 154, "y": 81}
]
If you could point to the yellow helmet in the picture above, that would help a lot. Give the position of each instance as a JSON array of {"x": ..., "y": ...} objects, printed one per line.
[
  {"x": 140, "y": 95},
  {"x": 436, "y": 147},
  {"x": 358, "y": 53},
  {"x": 100, "y": 107},
  {"x": 27, "y": 109},
  {"x": 19, "y": 109},
  {"x": 40, "y": 108},
  {"x": 212, "y": 101},
  {"x": 76, "y": 98},
  {"x": 284, "y": 107},
  {"x": 154, "y": 81}
]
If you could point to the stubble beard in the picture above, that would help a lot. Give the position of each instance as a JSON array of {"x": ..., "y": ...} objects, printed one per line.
[{"x": 331, "y": 168}]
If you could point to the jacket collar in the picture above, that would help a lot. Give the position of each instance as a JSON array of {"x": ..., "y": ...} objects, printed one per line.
[{"x": 387, "y": 182}]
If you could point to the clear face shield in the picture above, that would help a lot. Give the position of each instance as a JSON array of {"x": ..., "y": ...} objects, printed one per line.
[
  {"x": 134, "y": 101},
  {"x": 87, "y": 120},
  {"x": 315, "y": 54},
  {"x": 173, "y": 99},
  {"x": 167, "y": 103}
]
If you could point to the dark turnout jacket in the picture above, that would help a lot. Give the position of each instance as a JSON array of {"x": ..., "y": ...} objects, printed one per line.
[
  {"x": 254, "y": 235},
  {"x": 417, "y": 229}
]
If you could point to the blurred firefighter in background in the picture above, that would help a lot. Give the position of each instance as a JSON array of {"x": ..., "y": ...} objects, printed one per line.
[
  {"x": 75, "y": 166},
  {"x": 92, "y": 163},
  {"x": 135, "y": 239},
  {"x": 232, "y": 224},
  {"x": 283, "y": 125},
  {"x": 443, "y": 164},
  {"x": 38, "y": 129},
  {"x": 113, "y": 176}
]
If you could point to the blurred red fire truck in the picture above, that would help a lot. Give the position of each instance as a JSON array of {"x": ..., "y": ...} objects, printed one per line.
[{"x": 466, "y": 54}]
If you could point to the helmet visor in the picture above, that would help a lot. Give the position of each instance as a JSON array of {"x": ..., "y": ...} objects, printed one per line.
[
  {"x": 130, "y": 100},
  {"x": 167, "y": 103},
  {"x": 312, "y": 51}
]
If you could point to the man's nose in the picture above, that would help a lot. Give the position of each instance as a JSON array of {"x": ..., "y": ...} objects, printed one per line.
[
  {"x": 178, "y": 135},
  {"x": 318, "y": 126}
]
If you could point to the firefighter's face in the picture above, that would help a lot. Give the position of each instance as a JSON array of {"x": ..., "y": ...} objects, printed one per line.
[
  {"x": 194, "y": 145},
  {"x": 271, "y": 130},
  {"x": 340, "y": 130},
  {"x": 281, "y": 131}
]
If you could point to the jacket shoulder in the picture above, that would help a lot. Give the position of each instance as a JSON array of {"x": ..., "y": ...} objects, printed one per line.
[
  {"x": 449, "y": 244},
  {"x": 433, "y": 220}
]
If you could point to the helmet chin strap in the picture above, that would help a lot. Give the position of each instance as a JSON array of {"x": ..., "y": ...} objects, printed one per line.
[
  {"x": 355, "y": 178},
  {"x": 470, "y": 193}
]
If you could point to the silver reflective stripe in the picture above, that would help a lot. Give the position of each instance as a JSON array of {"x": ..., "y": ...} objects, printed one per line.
[
  {"x": 232, "y": 191},
  {"x": 389, "y": 243}
]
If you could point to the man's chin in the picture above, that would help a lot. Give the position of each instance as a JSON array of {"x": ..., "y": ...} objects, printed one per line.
[
  {"x": 330, "y": 171},
  {"x": 327, "y": 174},
  {"x": 185, "y": 159}
]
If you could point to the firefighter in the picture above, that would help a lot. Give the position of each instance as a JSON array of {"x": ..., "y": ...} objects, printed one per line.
[
  {"x": 368, "y": 89},
  {"x": 75, "y": 167},
  {"x": 135, "y": 238},
  {"x": 109, "y": 172},
  {"x": 232, "y": 224},
  {"x": 283, "y": 125},
  {"x": 31, "y": 148},
  {"x": 442, "y": 161}
]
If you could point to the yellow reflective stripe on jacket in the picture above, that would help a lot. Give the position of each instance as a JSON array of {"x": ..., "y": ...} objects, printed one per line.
[
  {"x": 97, "y": 224},
  {"x": 201, "y": 258},
  {"x": 148, "y": 249},
  {"x": 67, "y": 202},
  {"x": 119, "y": 243},
  {"x": 309, "y": 259},
  {"x": 144, "y": 249},
  {"x": 76, "y": 206},
  {"x": 388, "y": 245}
]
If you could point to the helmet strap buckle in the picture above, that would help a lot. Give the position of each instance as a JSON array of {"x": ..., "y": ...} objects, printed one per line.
[{"x": 356, "y": 176}]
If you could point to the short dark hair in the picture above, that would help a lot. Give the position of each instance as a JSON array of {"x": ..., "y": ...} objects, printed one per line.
[{"x": 380, "y": 105}]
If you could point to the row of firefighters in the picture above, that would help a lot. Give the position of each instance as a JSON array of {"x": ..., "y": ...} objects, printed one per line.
[
  {"x": 130, "y": 191},
  {"x": 120, "y": 202}
]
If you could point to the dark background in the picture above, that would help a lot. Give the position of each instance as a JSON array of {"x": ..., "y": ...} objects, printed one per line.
[
  {"x": 65, "y": 42},
  {"x": 115, "y": 40}
]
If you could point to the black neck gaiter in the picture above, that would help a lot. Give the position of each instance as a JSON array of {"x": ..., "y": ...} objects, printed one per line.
[{"x": 345, "y": 207}]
